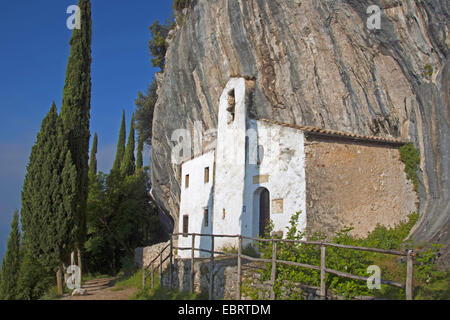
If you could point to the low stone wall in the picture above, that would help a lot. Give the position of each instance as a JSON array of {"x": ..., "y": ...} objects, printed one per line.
[
  {"x": 147, "y": 254},
  {"x": 225, "y": 278},
  {"x": 225, "y": 281}
]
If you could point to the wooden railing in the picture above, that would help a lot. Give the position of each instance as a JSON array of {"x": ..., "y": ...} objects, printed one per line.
[
  {"x": 159, "y": 259},
  {"x": 408, "y": 285}
]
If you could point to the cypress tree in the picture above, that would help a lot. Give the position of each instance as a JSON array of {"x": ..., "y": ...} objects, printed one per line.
[
  {"x": 11, "y": 263},
  {"x": 120, "y": 144},
  {"x": 93, "y": 157},
  {"x": 128, "y": 166},
  {"x": 34, "y": 279},
  {"x": 139, "y": 157},
  {"x": 49, "y": 195},
  {"x": 75, "y": 111}
]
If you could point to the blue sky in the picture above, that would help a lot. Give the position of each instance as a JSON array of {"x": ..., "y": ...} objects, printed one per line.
[{"x": 34, "y": 48}]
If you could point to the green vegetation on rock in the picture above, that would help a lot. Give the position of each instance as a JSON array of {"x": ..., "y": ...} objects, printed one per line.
[
  {"x": 410, "y": 156},
  {"x": 181, "y": 4}
]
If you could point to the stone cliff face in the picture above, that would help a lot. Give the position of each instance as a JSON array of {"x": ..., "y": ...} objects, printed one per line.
[{"x": 315, "y": 62}]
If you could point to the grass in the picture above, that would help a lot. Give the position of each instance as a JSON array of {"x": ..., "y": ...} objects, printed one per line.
[
  {"x": 134, "y": 280},
  {"x": 52, "y": 293},
  {"x": 161, "y": 293},
  {"x": 94, "y": 276},
  {"x": 125, "y": 281}
]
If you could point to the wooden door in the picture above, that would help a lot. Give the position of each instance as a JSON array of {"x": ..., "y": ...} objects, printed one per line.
[{"x": 264, "y": 211}]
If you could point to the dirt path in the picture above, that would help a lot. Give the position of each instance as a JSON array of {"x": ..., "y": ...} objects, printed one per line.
[{"x": 102, "y": 289}]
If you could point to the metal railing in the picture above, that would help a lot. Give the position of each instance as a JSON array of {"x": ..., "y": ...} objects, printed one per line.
[{"x": 408, "y": 285}]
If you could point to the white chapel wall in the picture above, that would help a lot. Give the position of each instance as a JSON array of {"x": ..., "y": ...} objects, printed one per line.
[
  {"x": 230, "y": 162},
  {"x": 194, "y": 200},
  {"x": 282, "y": 172}
]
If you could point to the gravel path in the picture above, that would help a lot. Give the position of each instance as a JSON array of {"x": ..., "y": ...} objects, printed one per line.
[{"x": 102, "y": 289}]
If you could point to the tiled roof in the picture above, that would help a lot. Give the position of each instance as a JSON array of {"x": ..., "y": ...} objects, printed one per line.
[{"x": 334, "y": 133}]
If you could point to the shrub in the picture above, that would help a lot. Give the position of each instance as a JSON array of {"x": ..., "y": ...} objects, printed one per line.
[
  {"x": 428, "y": 281},
  {"x": 427, "y": 71},
  {"x": 179, "y": 5}
]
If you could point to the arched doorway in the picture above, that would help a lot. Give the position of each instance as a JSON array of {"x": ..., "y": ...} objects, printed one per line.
[{"x": 261, "y": 204}]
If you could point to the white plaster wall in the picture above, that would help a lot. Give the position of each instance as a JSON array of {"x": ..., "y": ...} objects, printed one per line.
[
  {"x": 230, "y": 165},
  {"x": 194, "y": 200},
  {"x": 284, "y": 164}
]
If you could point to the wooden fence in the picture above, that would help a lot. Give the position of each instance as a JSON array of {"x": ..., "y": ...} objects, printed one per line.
[{"x": 159, "y": 260}]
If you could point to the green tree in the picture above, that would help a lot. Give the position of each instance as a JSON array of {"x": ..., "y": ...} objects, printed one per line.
[
  {"x": 93, "y": 157},
  {"x": 145, "y": 107},
  {"x": 34, "y": 278},
  {"x": 128, "y": 165},
  {"x": 75, "y": 112},
  {"x": 99, "y": 244},
  {"x": 11, "y": 263},
  {"x": 158, "y": 44},
  {"x": 145, "y": 103},
  {"x": 49, "y": 196},
  {"x": 121, "y": 216},
  {"x": 120, "y": 144},
  {"x": 139, "y": 156}
]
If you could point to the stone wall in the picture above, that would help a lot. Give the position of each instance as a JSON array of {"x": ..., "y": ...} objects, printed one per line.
[
  {"x": 225, "y": 277},
  {"x": 147, "y": 254},
  {"x": 225, "y": 281},
  {"x": 355, "y": 184}
]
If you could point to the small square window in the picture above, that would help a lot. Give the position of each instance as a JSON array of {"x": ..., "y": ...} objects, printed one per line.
[
  {"x": 206, "y": 217},
  {"x": 206, "y": 174},
  {"x": 186, "y": 182},
  {"x": 185, "y": 225}
]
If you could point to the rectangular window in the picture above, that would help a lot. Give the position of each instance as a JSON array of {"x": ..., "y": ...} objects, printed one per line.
[
  {"x": 206, "y": 174},
  {"x": 186, "y": 182},
  {"x": 185, "y": 225},
  {"x": 206, "y": 217},
  {"x": 231, "y": 106}
]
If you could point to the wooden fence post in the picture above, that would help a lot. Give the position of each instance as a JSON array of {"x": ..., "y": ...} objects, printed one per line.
[
  {"x": 143, "y": 273},
  {"x": 239, "y": 270},
  {"x": 409, "y": 275},
  {"x": 323, "y": 293},
  {"x": 192, "y": 263},
  {"x": 170, "y": 263},
  {"x": 274, "y": 268},
  {"x": 160, "y": 268},
  {"x": 211, "y": 271},
  {"x": 153, "y": 275}
]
